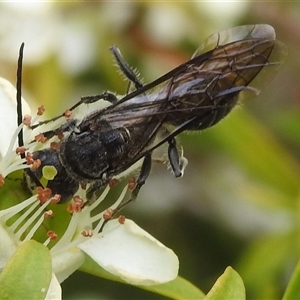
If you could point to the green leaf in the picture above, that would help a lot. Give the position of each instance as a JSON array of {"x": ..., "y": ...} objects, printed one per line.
[
  {"x": 287, "y": 125},
  {"x": 293, "y": 289},
  {"x": 179, "y": 288},
  {"x": 228, "y": 286},
  {"x": 256, "y": 149},
  {"x": 176, "y": 289},
  {"x": 27, "y": 274},
  {"x": 264, "y": 262}
]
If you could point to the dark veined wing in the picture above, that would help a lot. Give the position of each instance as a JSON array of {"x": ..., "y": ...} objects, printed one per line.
[
  {"x": 235, "y": 34},
  {"x": 200, "y": 92},
  {"x": 234, "y": 59},
  {"x": 231, "y": 35},
  {"x": 210, "y": 90}
]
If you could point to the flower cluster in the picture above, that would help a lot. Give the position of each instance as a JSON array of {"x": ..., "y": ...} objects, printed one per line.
[{"x": 119, "y": 246}]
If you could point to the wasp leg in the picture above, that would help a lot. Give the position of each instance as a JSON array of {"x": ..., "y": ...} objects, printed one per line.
[
  {"x": 69, "y": 125},
  {"x": 174, "y": 159},
  {"x": 125, "y": 68},
  {"x": 144, "y": 173},
  {"x": 107, "y": 96}
]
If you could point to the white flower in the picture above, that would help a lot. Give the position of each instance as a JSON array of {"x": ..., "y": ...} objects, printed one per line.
[{"x": 120, "y": 246}]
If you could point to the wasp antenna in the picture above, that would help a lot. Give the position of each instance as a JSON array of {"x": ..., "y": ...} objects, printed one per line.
[
  {"x": 19, "y": 95},
  {"x": 19, "y": 110}
]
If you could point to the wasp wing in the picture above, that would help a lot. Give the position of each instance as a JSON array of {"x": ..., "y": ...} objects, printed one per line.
[
  {"x": 229, "y": 49},
  {"x": 231, "y": 35},
  {"x": 225, "y": 71},
  {"x": 200, "y": 92},
  {"x": 235, "y": 34}
]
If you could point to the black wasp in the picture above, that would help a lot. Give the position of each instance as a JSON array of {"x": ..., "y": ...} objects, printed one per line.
[{"x": 194, "y": 96}]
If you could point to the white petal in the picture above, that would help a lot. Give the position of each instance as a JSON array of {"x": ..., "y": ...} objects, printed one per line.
[
  {"x": 8, "y": 113},
  {"x": 131, "y": 253},
  {"x": 67, "y": 262},
  {"x": 54, "y": 291},
  {"x": 7, "y": 247}
]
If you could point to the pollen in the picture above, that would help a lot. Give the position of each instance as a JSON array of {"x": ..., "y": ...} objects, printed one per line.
[
  {"x": 55, "y": 145},
  {"x": 87, "y": 233},
  {"x": 68, "y": 114},
  {"x": 131, "y": 183},
  {"x": 75, "y": 205},
  {"x": 40, "y": 138},
  {"x": 29, "y": 158},
  {"x": 20, "y": 150},
  {"x": 48, "y": 214},
  {"x": 121, "y": 219},
  {"x": 55, "y": 199},
  {"x": 52, "y": 235},
  {"x": 113, "y": 182},
  {"x": 27, "y": 120},
  {"x": 43, "y": 194},
  {"x": 108, "y": 214},
  {"x": 41, "y": 110},
  {"x": 36, "y": 164},
  {"x": 60, "y": 134}
]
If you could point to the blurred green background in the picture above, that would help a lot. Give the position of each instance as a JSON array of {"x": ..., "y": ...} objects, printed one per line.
[{"x": 238, "y": 202}]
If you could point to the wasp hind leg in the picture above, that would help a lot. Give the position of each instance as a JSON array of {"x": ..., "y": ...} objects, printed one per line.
[
  {"x": 125, "y": 68},
  {"x": 177, "y": 162},
  {"x": 144, "y": 173}
]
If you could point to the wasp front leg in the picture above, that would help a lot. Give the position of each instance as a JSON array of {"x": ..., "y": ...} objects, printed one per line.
[{"x": 106, "y": 96}]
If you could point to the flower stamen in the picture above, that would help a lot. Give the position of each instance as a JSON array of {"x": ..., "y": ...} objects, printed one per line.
[
  {"x": 48, "y": 214},
  {"x": 41, "y": 110},
  {"x": 131, "y": 183},
  {"x": 40, "y": 138},
  {"x": 43, "y": 194},
  {"x": 108, "y": 214},
  {"x": 121, "y": 219},
  {"x": 20, "y": 150},
  {"x": 10, "y": 151},
  {"x": 76, "y": 205},
  {"x": 87, "y": 233},
  {"x": 27, "y": 120},
  {"x": 113, "y": 182},
  {"x": 68, "y": 114},
  {"x": 65, "y": 240},
  {"x": 113, "y": 208},
  {"x": 32, "y": 220},
  {"x": 56, "y": 199},
  {"x": 15, "y": 210},
  {"x": 52, "y": 236}
]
